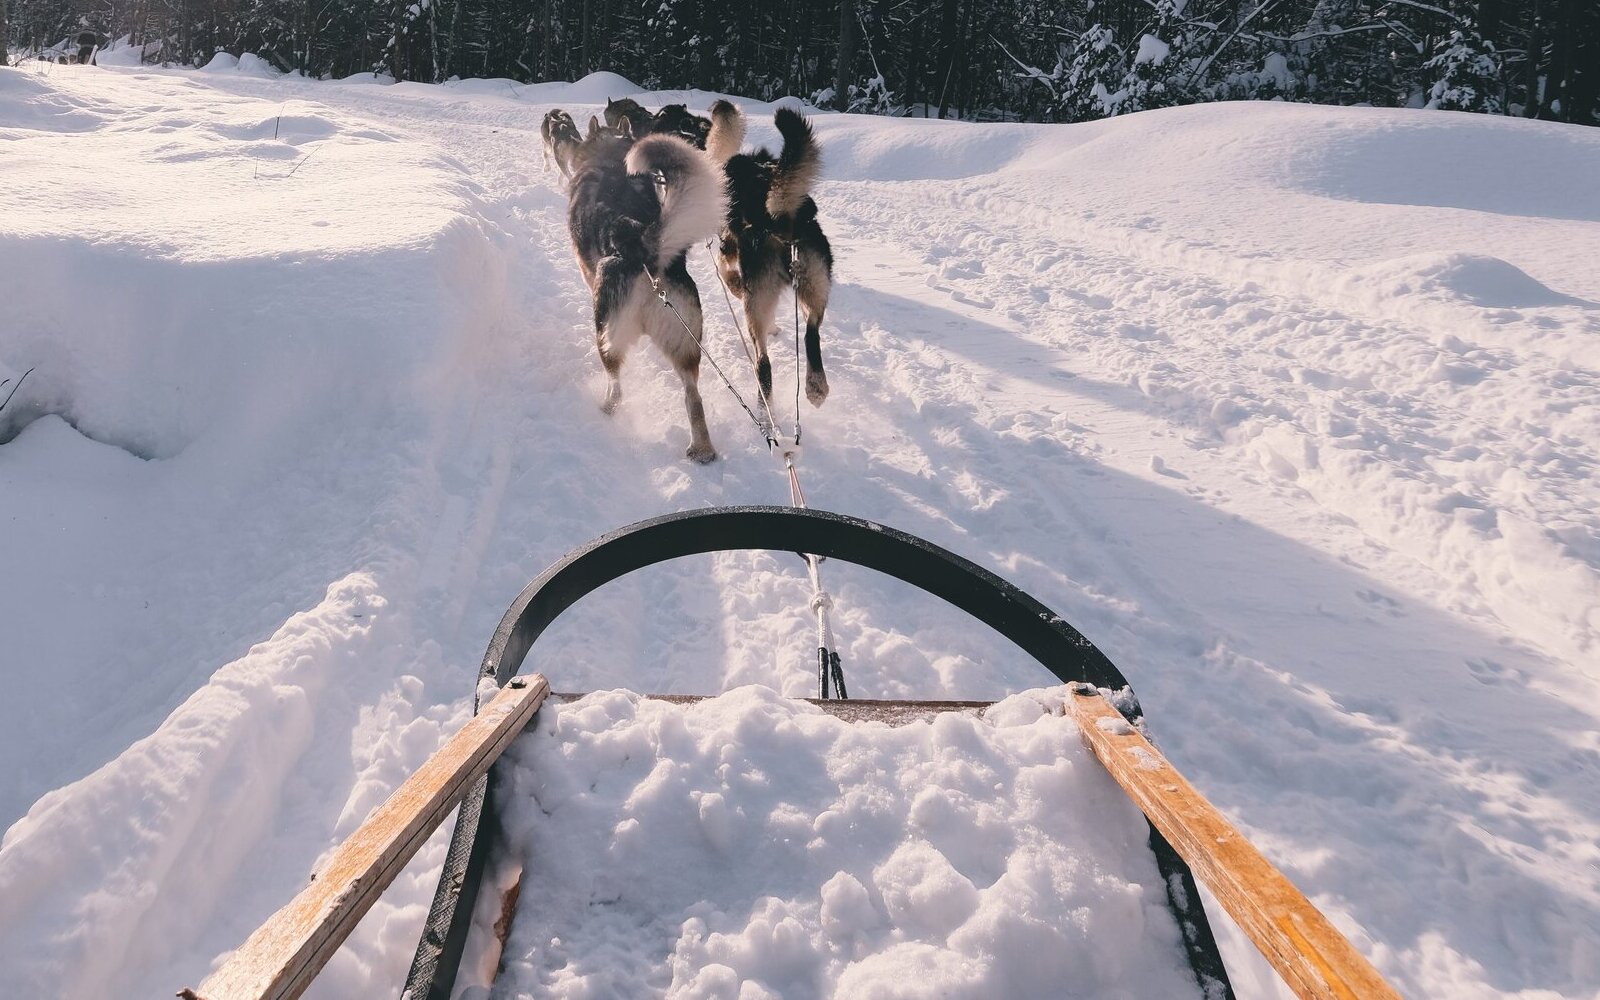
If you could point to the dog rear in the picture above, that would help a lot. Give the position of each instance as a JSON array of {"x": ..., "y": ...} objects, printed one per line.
[
  {"x": 771, "y": 238},
  {"x": 726, "y": 135},
  {"x": 561, "y": 140},
  {"x": 635, "y": 209}
]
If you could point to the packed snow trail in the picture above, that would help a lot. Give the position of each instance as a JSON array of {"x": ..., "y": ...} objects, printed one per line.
[{"x": 1305, "y": 449}]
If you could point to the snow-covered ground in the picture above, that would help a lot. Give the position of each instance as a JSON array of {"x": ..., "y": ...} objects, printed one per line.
[{"x": 1294, "y": 411}]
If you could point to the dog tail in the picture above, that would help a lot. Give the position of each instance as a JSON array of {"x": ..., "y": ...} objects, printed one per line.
[
  {"x": 693, "y": 193},
  {"x": 798, "y": 165},
  {"x": 727, "y": 132}
]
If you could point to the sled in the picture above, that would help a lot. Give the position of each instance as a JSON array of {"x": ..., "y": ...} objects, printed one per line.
[{"x": 1187, "y": 836}]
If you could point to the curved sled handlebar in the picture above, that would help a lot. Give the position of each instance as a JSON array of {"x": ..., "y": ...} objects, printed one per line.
[{"x": 1008, "y": 610}]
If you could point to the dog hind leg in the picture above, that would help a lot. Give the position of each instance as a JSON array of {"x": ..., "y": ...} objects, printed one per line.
[
  {"x": 815, "y": 284},
  {"x": 760, "y": 307},
  {"x": 700, "y": 448},
  {"x": 615, "y": 324},
  {"x": 681, "y": 348},
  {"x": 816, "y": 378},
  {"x": 611, "y": 361}
]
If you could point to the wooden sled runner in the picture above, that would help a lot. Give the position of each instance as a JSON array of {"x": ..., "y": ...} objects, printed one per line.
[{"x": 1187, "y": 834}]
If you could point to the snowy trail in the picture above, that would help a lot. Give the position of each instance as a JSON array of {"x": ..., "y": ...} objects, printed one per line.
[
  {"x": 1328, "y": 529},
  {"x": 1202, "y": 581}
]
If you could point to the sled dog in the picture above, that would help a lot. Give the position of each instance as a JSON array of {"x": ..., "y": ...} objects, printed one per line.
[
  {"x": 629, "y": 110},
  {"x": 634, "y": 210},
  {"x": 770, "y": 235},
  {"x": 561, "y": 139},
  {"x": 675, "y": 119}
]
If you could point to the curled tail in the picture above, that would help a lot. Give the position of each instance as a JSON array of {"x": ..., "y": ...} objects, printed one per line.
[
  {"x": 798, "y": 165},
  {"x": 692, "y": 192},
  {"x": 727, "y": 132}
]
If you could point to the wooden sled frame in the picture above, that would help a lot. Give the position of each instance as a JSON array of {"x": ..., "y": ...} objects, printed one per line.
[{"x": 280, "y": 958}]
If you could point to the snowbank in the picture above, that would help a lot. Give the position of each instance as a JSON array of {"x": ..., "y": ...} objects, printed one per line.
[{"x": 240, "y": 319}]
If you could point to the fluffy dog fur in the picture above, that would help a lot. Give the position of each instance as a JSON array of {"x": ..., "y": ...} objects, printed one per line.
[
  {"x": 636, "y": 207},
  {"x": 561, "y": 140},
  {"x": 771, "y": 216}
]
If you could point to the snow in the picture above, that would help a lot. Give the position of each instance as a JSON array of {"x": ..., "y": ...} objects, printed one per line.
[
  {"x": 1294, "y": 411},
  {"x": 847, "y": 860},
  {"x": 1151, "y": 50}
]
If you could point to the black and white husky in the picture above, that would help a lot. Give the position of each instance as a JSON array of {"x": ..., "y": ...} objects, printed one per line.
[
  {"x": 771, "y": 237},
  {"x": 634, "y": 210},
  {"x": 675, "y": 119}
]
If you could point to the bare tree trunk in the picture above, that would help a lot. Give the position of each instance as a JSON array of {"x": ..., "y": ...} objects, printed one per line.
[
  {"x": 442, "y": 72},
  {"x": 5, "y": 36},
  {"x": 964, "y": 95},
  {"x": 544, "y": 44},
  {"x": 947, "y": 53},
  {"x": 397, "y": 57},
  {"x": 914, "y": 68},
  {"x": 707, "y": 55},
  {"x": 1557, "y": 98},
  {"x": 586, "y": 30},
  {"x": 1583, "y": 88},
  {"x": 847, "y": 55},
  {"x": 1535, "y": 52}
]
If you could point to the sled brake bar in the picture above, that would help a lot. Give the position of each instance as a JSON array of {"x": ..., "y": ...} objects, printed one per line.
[
  {"x": 280, "y": 959},
  {"x": 1314, "y": 959}
]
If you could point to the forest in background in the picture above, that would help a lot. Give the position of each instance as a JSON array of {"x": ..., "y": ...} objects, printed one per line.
[{"x": 1014, "y": 60}]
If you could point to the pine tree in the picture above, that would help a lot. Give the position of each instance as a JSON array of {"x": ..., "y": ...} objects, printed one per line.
[
  {"x": 1084, "y": 91},
  {"x": 1468, "y": 71},
  {"x": 1158, "y": 77}
]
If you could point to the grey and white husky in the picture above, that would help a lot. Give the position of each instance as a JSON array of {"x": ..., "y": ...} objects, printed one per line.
[
  {"x": 634, "y": 210},
  {"x": 771, "y": 236},
  {"x": 561, "y": 139}
]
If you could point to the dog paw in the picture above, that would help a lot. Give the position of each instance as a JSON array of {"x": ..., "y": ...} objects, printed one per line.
[
  {"x": 816, "y": 387},
  {"x": 703, "y": 454}
]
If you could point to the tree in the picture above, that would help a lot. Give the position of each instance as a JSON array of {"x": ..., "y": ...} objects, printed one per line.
[
  {"x": 847, "y": 55},
  {"x": 1085, "y": 89},
  {"x": 1158, "y": 77},
  {"x": 1468, "y": 71}
]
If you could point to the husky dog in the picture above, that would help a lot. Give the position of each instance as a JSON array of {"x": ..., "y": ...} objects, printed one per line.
[
  {"x": 635, "y": 209},
  {"x": 561, "y": 139},
  {"x": 675, "y": 119},
  {"x": 629, "y": 110},
  {"x": 771, "y": 237}
]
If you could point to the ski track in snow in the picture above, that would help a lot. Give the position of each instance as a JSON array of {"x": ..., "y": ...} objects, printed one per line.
[{"x": 1337, "y": 523}]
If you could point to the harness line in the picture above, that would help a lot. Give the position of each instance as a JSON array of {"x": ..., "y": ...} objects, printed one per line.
[
  {"x": 794, "y": 286},
  {"x": 829, "y": 670}
]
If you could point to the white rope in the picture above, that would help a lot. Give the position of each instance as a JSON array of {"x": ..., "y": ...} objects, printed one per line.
[{"x": 821, "y": 600}]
